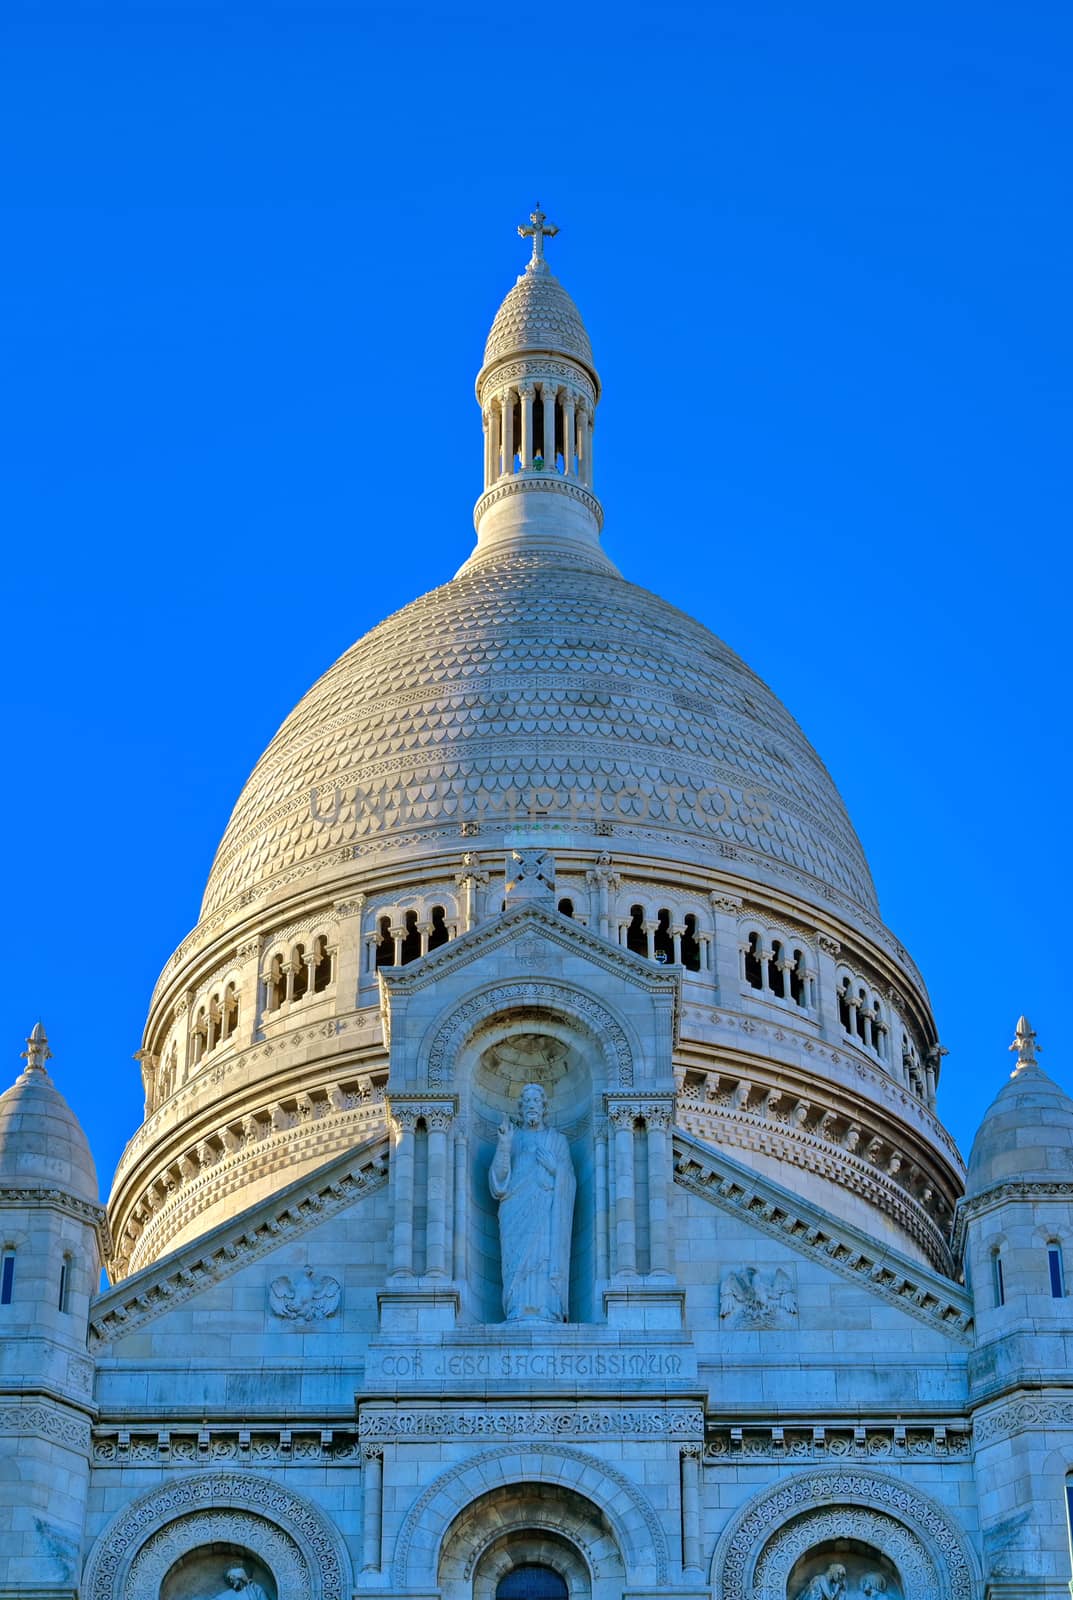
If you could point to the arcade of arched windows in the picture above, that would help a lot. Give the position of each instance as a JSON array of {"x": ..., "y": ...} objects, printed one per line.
[
  {"x": 777, "y": 966},
  {"x": 862, "y": 1015},
  {"x": 215, "y": 1020},
  {"x": 297, "y": 972},
  {"x": 667, "y": 934},
  {"x": 398, "y": 935},
  {"x": 538, "y": 426}
]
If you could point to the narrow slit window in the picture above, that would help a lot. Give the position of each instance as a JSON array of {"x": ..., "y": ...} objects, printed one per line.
[
  {"x": 999, "y": 1278},
  {"x": 7, "y": 1277},
  {"x": 1057, "y": 1275},
  {"x": 65, "y": 1284}
]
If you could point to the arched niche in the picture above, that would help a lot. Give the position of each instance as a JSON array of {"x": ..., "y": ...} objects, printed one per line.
[
  {"x": 576, "y": 1049},
  {"x": 866, "y": 1572},
  {"x": 215, "y": 1571},
  {"x": 530, "y": 1525}
]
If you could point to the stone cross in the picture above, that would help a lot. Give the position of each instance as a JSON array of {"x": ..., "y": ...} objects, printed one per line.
[{"x": 540, "y": 229}]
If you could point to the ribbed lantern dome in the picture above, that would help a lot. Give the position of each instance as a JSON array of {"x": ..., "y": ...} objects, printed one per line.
[{"x": 538, "y": 314}]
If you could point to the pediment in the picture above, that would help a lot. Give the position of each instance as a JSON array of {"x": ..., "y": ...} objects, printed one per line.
[
  {"x": 818, "y": 1236},
  {"x": 261, "y": 1229},
  {"x": 535, "y": 936}
]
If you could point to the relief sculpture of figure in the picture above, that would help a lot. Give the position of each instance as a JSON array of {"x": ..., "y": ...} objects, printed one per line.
[
  {"x": 829, "y": 1585},
  {"x": 532, "y": 1177},
  {"x": 240, "y": 1583}
]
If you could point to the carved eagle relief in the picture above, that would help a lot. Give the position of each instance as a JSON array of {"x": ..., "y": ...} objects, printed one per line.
[
  {"x": 750, "y": 1299},
  {"x": 309, "y": 1298}
]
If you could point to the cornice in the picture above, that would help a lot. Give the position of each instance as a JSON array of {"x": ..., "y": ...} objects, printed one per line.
[
  {"x": 538, "y": 483},
  {"x": 93, "y": 1215},
  {"x": 879, "y": 1268},
  {"x": 975, "y": 1205}
]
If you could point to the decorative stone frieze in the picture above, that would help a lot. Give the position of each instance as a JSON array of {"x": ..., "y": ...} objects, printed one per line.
[
  {"x": 209, "y": 1446},
  {"x": 820, "y": 1441},
  {"x": 533, "y": 1422}
]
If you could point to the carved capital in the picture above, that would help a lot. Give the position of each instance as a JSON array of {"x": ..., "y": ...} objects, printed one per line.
[
  {"x": 728, "y": 904},
  {"x": 829, "y": 946}
]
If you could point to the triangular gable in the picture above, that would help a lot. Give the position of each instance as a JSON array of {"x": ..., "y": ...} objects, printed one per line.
[
  {"x": 232, "y": 1245},
  {"x": 815, "y": 1234}
]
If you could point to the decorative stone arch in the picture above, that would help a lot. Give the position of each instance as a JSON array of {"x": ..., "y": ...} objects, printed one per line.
[
  {"x": 292, "y": 1537},
  {"x": 531, "y": 1523},
  {"x": 754, "y": 1557},
  {"x": 546, "y": 1549},
  {"x": 572, "y": 1476},
  {"x": 451, "y": 1032}
]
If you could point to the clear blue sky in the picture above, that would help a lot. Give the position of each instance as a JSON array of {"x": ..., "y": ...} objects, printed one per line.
[{"x": 251, "y": 253}]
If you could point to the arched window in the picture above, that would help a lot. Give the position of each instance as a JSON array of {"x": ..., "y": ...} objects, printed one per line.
[
  {"x": 1056, "y": 1271},
  {"x": 775, "y": 976},
  {"x": 691, "y": 945},
  {"x": 663, "y": 939},
  {"x": 230, "y": 1020},
  {"x": 216, "y": 1018},
  {"x": 322, "y": 964},
  {"x": 385, "y": 949},
  {"x": 532, "y": 1582},
  {"x": 566, "y": 907},
  {"x": 862, "y": 1016},
  {"x": 636, "y": 938},
  {"x": 277, "y": 983},
  {"x": 844, "y": 1006},
  {"x": 299, "y": 972},
  {"x": 411, "y": 939},
  {"x": 201, "y": 1034},
  {"x": 440, "y": 933},
  {"x": 998, "y": 1277},
  {"x": 797, "y": 979},
  {"x": 65, "y": 1285},
  {"x": 754, "y": 969},
  {"x": 7, "y": 1277}
]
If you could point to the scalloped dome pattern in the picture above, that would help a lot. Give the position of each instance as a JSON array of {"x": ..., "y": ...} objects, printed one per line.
[
  {"x": 42, "y": 1145},
  {"x": 531, "y": 673},
  {"x": 538, "y": 314}
]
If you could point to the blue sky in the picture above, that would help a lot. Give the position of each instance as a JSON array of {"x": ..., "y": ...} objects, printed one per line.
[{"x": 252, "y": 251}]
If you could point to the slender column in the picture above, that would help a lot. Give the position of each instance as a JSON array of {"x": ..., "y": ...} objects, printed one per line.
[
  {"x": 600, "y": 1155},
  {"x": 584, "y": 445},
  {"x": 398, "y": 934},
  {"x": 425, "y": 930},
  {"x": 691, "y": 1507},
  {"x": 622, "y": 1117},
  {"x": 658, "y": 1121},
  {"x": 603, "y": 878},
  {"x": 372, "y": 1464},
  {"x": 677, "y": 934},
  {"x": 438, "y": 1122},
  {"x": 568, "y": 432},
  {"x": 507, "y": 404},
  {"x": 526, "y": 390},
  {"x": 289, "y": 970},
  {"x": 403, "y": 1119},
  {"x": 471, "y": 880},
  {"x": 461, "y": 1198},
  {"x": 489, "y": 440},
  {"x": 547, "y": 391}
]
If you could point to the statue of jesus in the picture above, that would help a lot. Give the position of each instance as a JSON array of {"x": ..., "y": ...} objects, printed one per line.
[{"x": 532, "y": 1177}]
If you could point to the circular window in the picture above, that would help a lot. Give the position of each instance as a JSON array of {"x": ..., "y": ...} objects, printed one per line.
[{"x": 531, "y": 1582}]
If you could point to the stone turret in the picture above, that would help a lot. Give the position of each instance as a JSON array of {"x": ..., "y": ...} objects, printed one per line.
[
  {"x": 51, "y": 1233},
  {"x": 538, "y": 390},
  {"x": 1016, "y": 1222}
]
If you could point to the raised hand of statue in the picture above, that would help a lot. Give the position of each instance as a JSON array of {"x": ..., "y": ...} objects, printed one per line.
[{"x": 506, "y": 1134}]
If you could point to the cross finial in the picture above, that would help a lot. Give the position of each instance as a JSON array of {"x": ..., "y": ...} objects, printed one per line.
[
  {"x": 539, "y": 230},
  {"x": 1024, "y": 1042},
  {"x": 38, "y": 1051}
]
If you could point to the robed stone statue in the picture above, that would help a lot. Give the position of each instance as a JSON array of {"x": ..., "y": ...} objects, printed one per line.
[{"x": 532, "y": 1177}]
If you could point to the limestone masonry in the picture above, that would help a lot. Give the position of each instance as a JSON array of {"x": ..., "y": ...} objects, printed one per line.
[{"x": 540, "y": 1194}]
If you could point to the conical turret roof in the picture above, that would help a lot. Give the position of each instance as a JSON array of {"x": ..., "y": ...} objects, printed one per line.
[{"x": 42, "y": 1145}]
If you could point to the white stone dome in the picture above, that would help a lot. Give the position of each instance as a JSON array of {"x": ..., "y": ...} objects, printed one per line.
[
  {"x": 42, "y": 1145},
  {"x": 1026, "y": 1134},
  {"x": 541, "y": 675}
]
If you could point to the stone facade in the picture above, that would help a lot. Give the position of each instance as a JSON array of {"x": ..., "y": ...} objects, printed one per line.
[{"x": 539, "y": 968}]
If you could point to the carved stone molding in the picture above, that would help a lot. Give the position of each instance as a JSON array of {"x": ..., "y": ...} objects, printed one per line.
[
  {"x": 545, "y": 483},
  {"x": 555, "y": 997},
  {"x": 292, "y": 1537},
  {"x": 43, "y": 1421},
  {"x": 797, "y": 1441},
  {"x": 1021, "y": 1415},
  {"x": 534, "y": 1422},
  {"x": 208, "y": 1447},
  {"x": 805, "y": 1509},
  {"x": 638, "y": 1530}
]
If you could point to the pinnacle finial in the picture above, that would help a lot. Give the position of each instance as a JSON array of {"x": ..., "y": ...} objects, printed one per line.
[
  {"x": 1024, "y": 1042},
  {"x": 37, "y": 1052},
  {"x": 539, "y": 230}
]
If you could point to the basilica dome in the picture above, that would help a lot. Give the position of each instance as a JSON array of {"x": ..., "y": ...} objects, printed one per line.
[{"x": 543, "y": 686}]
